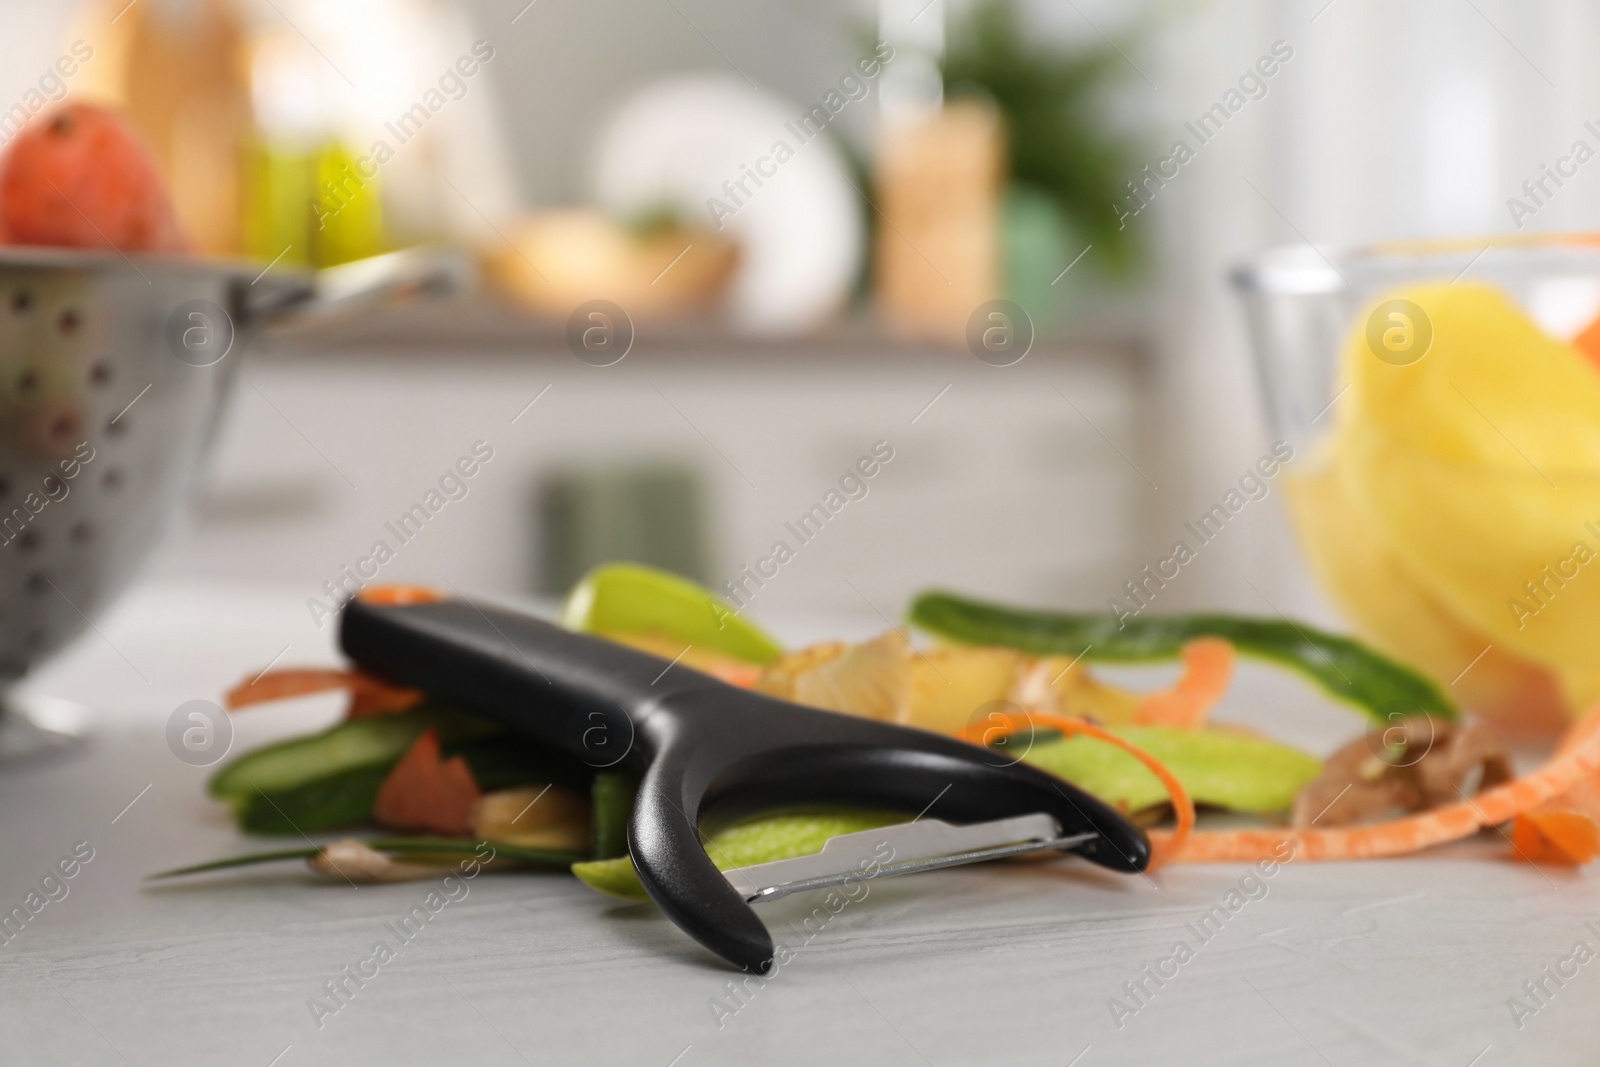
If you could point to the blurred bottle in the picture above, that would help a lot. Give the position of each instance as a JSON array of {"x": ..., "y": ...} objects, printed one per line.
[
  {"x": 305, "y": 199},
  {"x": 938, "y": 178},
  {"x": 178, "y": 68},
  {"x": 390, "y": 102},
  {"x": 280, "y": 151},
  {"x": 348, "y": 209},
  {"x": 276, "y": 218}
]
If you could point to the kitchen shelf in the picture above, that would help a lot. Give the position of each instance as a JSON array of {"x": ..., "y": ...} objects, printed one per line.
[{"x": 486, "y": 326}]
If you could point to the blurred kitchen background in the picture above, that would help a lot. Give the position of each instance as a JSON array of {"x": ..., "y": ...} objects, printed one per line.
[{"x": 789, "y": 309}]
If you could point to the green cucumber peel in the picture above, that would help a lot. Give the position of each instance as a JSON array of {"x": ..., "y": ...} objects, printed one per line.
[
  {"x": 611, "y": 801},
  {"x": 1341, "y": 667},
  {"x": 354, "y": 743},
  {"x": 331, "y": 779},
  {"x": 327, "y": 803}
]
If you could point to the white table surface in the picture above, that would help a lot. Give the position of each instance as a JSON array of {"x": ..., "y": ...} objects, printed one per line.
[{"x": 1405, "y": 962}]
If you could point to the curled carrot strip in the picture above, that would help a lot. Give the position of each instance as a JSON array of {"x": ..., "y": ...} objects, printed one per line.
[
  {"x": 371, "y": 696},
  {"x": 368, "y": 695},
  {"x": 395, "y": 596},
  {"x": 1207, "y": 670},
  {"x": 1182, "y": 806},
  {"x": 285, "y": 685},
  {"x": 1577, "y": 764}
]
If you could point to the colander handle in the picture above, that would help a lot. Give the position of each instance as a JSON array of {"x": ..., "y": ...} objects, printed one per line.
[{"x": 390, "y": 280}]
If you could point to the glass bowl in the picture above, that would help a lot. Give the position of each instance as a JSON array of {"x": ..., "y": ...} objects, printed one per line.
[{"x": 1443, "y": 403}]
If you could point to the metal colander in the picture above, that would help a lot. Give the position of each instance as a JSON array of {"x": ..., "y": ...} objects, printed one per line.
[{"x": 113, "y": 374}]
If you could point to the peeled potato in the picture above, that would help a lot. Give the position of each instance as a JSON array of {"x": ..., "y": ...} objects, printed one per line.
[
  {"x": 1492, "y": 392},
  {"x": 1474, "y": 538},
  {"x": 1370, "y": 584},
  {"x": 1453, "y": 481}
]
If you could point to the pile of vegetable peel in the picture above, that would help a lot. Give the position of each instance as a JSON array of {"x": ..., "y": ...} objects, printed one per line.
[{"x": 1019, "y": 681}]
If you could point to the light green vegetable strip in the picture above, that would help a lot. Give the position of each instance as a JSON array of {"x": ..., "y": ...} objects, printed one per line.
[
  {"x": 629, "y": 598},
  {"x": 773, "y": 837},
  {"x": 1218, "y": 767}
]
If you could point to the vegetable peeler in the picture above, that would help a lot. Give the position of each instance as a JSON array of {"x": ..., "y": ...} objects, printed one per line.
[{"x": 709, "y": 751}]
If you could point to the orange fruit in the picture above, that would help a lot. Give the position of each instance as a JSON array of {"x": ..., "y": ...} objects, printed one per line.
[{"x": 78, "y": 177}]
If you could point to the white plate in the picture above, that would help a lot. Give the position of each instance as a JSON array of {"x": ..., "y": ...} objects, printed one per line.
[{"x": 801, "y": 233}]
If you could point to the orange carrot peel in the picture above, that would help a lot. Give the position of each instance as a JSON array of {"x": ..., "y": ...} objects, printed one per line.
[
  {"x": 395, "y": 596},
  {"x": 368, "y": 695},
  {"x": 423, "y": 793},
  {"x": 1576, "y": 765},
  {"x": 743, "y": 675},
  {"x": 1588, "y": 342},
  {"x": 1564, "y": 830},
  {"x": 1182, "y": 805},
  {"x": 1557, "y": 838},
  {"x": 1207, "y": 670}
]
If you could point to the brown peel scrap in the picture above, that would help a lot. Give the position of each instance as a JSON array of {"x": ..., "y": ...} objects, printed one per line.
[
  {"x": 355, "y": 862},
  {"x": 888, "y": 679},
  {"x": 869, "y": 679},
  {"x": 1060, "y": 685},
  {"x": 780, "y": 676},
  {"x": 945, "y": 688},
  {"x": 1418, "y": 764},
  {"x": 549, "y": 817}
]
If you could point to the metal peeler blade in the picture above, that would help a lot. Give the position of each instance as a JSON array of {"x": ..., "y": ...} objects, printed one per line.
[{"x": 881, "y": 853}]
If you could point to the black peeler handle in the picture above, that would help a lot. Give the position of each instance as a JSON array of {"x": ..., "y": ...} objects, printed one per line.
[{"x": 568, "y": 690}]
